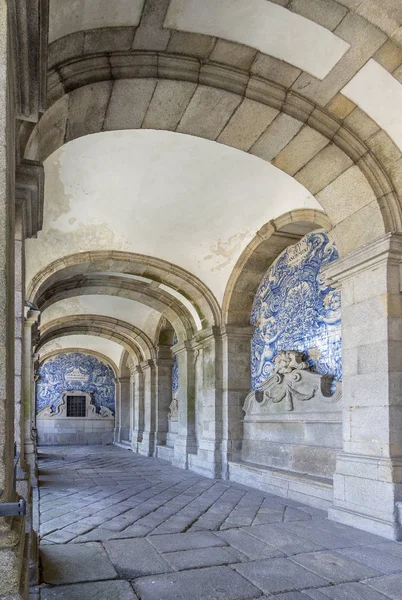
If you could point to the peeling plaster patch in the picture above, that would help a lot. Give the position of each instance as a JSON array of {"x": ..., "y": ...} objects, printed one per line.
[{"x": 228, "y": 249}]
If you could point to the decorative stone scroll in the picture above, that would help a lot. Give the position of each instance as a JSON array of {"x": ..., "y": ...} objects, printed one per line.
[
  {"x": 292, "y": 387},
  {"x": 60, "y": 411}
]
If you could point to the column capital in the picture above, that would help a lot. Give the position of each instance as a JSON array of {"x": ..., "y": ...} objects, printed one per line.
[
  {"x": 31, "y": 316},
  {"x": 147, "y": 364},
  {"x": 234, "y": 331},
  {"x": 383, "y": 250}
]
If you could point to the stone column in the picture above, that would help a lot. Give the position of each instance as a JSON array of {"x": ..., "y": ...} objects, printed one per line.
[
  {"x": 138, "y": 408},
  {"x": 18, "y": 336},
  {"x": 28, "y": 381},
  {"x": 164, "y": 364},
  {"x": 368, "y": 477},
  {"x": 148, "y": 444},
  {"x": 124, "y": 435},
  {"x": 185, "y": 442},
  {"x": 12, "y": 530},
  {"x": 117, "y": 414},
  {"x": 207, "y": 345},
  {"x": 236, "y": 350}
]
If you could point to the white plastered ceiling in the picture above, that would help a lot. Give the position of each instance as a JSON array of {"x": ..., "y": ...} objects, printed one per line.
[
  {"x": 270, "y": 28},
  {"x": 186, "y": 200},
  {"x": 110, "y": 349},
  {"x": 130, "y": 311}
]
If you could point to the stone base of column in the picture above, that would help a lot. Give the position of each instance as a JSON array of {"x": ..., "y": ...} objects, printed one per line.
[
  {"x": 147, "y": 447},
  {"x": 136, "y": 439},
  {"x": 116, "y": 435},
  {"x": 13, "y": 560},
  {"x": 207, "y": 461},
  {"x": 183, "y": 446},
  {"x": 367, "y": 494}
]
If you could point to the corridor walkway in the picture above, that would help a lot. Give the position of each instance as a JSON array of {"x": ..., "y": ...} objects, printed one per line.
[{"x": 118, "y": 526}]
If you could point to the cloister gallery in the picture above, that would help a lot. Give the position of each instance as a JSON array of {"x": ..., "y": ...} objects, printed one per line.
[{"x": 200, "y": 259}]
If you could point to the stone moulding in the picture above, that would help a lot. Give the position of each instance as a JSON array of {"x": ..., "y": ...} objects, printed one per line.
[{"x": 292, "y": 387}]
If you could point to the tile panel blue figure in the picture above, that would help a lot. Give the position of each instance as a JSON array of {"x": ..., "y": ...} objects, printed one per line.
[{"x": 295, "y": 310}]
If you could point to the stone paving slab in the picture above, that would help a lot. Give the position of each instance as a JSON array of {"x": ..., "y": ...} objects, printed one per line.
[
  {"x": 100, "y": 590},
  {"x": 136, "y": 558},
  {"x": 283, "y": 540},
  {"x": 390, "y": 586},
  {"x": 276, "y": 575},
  {"x": 72, "y": 564},
  {"x": 186, "y": 541},
  {"x": 334, "y": 566},
  {"x": 250, "y": 546},
  {"x": 345, "y": 591},
  {"x": 375, "y": 558},
  {"x": 215, "y": 583},
  {"x": 195, "y": 559}
]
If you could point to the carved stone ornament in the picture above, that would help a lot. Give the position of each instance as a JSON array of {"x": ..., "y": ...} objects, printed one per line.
[
  {"x": 291, "y": 384},
  {"x": 174, "y": 409},
  {"x": 61, "y": 409}
]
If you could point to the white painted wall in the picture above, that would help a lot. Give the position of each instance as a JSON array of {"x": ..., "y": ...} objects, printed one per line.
[
  {"x": 379, "y": 94},
  {"x": 86, "y": 342},
  {"x": 132, "y": 312},
  {"x": 69, "y": 16},
  {"x": 260, "y": 24},
  {"x": 180, "y": 198}
]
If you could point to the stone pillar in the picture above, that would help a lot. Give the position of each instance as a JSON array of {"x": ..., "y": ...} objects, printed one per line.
[
  {"x": 207, "y": 345},
  {"x": 148, "y": 444},
  {"x": 185, "y": 442},
  {"x": 164, "y": 364},
  {"x": 12, "y": 530},
  {"x": 368, "y": 477},
  {"x": 236, "y": 349},
  {"x": 125, "y": 409},
  {"x": 138, "y": 408},
  {"x": 117, "y": 414},
  {"x": 18, "y": 336},
  {"x": 28, "y": 381}
]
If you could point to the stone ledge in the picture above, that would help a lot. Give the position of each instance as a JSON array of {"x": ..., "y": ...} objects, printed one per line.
[
  {"x": 309, "y": 489},
  {"x": 165, "y": 453}
]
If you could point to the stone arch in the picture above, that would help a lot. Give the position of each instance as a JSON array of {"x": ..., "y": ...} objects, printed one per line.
[
  {"x": 128, "y": 336},
  {"x": 134, "y": 275},
  {"x": 252, "y": 265},
  {"x": 288, "y": 130},
  {"x": 99, "y": 355},
  {"x": 164, "y": 333}
]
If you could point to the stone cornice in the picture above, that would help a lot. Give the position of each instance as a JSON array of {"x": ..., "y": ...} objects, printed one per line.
[
  {"x": 29, "y": 194},
  {"x": 387, "y": 248}
]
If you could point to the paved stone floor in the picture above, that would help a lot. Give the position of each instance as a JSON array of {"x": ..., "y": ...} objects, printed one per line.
[{"x": 118, "y": 526}]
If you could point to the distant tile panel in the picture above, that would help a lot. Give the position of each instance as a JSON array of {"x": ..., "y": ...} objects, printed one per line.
[{"x": 74, "y": 371}]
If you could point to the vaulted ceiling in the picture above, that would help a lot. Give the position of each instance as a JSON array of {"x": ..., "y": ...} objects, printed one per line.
[{"x": 177, "y": 129}]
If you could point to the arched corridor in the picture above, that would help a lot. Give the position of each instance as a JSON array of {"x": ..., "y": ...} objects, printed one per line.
[
  {"x": 201, "y": 226},
  {"x": 118, "y": 525}
]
